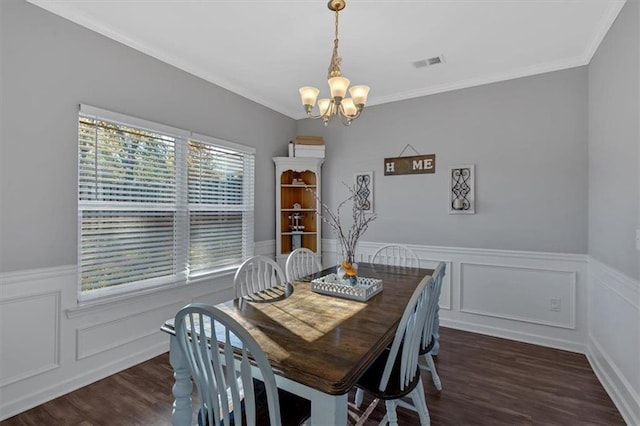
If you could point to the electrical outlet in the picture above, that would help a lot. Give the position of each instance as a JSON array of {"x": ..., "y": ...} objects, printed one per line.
[{"x": 554, "y": 304}]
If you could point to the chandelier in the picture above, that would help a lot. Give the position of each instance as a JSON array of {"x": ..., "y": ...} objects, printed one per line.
[{"x": 348, "y": 109}]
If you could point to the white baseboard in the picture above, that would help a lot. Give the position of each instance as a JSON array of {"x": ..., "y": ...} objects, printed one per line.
[
  {"x": 616, "y": 385},
  {"x": 518, "y": 336}
]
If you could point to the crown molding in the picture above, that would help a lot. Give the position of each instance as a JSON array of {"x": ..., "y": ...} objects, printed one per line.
[
  {"x": 480, "y": 81},
  {"x": 603, "y": 28},
  {"x": 60, "y": 9}
]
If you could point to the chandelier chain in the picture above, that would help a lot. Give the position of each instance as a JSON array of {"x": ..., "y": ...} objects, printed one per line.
[{"x": 334, "y": 66}]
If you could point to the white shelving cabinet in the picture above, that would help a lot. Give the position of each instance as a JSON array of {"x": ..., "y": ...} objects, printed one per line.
[{"x": 297, "y": 224}]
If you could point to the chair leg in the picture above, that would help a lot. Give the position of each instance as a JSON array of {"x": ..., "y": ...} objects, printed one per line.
[
  {"x": 391, "y": 412},
  {"x": 430, "y": 366},
  {"x": 420, "y": 404},
  {"x": 358, "y": 398},
  {"x": 436, "y": 332},
  {"x": 384, "y": 421},
  {"x": 365, "y": 416},
  {"x": 434, "y": 373}
]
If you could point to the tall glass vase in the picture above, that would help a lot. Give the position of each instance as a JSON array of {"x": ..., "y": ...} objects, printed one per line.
[{"x": 347, "y": 269}]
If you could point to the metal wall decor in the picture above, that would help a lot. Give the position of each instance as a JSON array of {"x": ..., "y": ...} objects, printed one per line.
[
  {"x": 364, "y": 190},
  {"x": 461, "y": 189}
]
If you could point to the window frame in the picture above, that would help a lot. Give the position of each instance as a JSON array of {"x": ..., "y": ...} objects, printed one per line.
[{"x": 181, "y": 212}]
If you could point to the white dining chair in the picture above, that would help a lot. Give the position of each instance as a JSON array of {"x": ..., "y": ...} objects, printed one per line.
[
  {"x": 395, "y": 373},
  {"x": 400, "y": 255},
  {"x": 256, "y": 274},
  {"x": 227, "y": 394},
  {"x": 300, "y": 263},
  {"x": 397, "y": 255},
  {"x": 429, "y": 337}
]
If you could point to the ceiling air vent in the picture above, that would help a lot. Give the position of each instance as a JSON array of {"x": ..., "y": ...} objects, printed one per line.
[{"x": 429, "y": 62}]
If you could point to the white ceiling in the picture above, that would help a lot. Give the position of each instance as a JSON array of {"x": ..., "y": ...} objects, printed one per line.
[{"x": 266, "y": 49}]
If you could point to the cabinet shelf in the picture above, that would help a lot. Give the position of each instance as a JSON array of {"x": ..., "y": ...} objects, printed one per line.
[
  {"x": 298, "y": 233},
  {"x": 297, "y": 210},
  {"x": 290, "y": 185}
]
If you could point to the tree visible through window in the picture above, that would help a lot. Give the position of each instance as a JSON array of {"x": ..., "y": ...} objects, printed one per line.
[{"x": 158, "y": 206}]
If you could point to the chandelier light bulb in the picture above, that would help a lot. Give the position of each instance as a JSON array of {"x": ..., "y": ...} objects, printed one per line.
[
  {"x": 324, "y": 105},
  {"x": 338, "y": 87},
  {"x": 309, "y": 95},
  {"x": 359, "y": 94},
  {"x": 349, "y": 107}
]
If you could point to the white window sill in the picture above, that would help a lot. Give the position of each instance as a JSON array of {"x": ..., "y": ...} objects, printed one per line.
[{"x": 134, "y": 296}]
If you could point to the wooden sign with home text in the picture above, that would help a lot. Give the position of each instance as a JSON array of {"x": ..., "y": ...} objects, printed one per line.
[{"x": 417, "y": 164}]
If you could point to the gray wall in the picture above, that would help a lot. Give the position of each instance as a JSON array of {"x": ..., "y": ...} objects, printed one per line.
[
  {"x": 49, "y": 66},
  {"x": 527, "y": 138},
  {"x": 613, "y": 145}
]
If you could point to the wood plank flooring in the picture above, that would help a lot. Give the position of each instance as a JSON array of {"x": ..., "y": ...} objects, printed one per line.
[{"x": 486, "y": 381}]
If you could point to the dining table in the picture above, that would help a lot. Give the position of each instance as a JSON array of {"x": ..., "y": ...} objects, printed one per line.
[{"x": 317, "y": 344}]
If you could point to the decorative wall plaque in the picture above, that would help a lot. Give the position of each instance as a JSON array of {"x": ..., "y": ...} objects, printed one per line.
[{"x": 418, "y": 164}]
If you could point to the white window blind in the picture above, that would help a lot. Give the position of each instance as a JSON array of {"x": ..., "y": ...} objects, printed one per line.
[
  {"x": 155, "y": 206},
  {"x": 220, "y": 213}
]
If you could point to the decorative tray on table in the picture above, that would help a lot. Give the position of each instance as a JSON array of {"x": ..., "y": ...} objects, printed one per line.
[{"x": 363, "y": 290}]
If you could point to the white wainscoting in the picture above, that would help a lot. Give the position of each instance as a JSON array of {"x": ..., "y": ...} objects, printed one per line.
[
  {"x": 613, "y": 346},
  {"x": 508, "y": 294},
  {"x": 505, "y": 293},
  {"x": 29, "y": 348},
  {"x": 136, "y": 327},
  {"x": 49, "y": 346},
  {"x": 526, "y": 289}
]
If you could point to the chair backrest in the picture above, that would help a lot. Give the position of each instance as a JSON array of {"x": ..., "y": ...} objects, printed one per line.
[
  {"x": 397, "y": 255},
  {"x": 257, "y": 273},
  {"x": 224, "y": 378},
  {"x": 406, "y": 343},
  {"x": 300, "y": 263},
  {"x": 432, "y": 309}
]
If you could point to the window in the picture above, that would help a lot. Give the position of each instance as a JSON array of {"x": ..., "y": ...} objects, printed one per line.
[{"x": 158, "y": 205}]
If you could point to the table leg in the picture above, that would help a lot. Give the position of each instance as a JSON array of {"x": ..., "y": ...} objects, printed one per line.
[
  {"x": 182, "y": 387},
  {"x": 328, "y": 409}
]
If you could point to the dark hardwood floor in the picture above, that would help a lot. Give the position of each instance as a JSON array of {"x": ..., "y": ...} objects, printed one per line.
[{"x": 486, "y": 381}]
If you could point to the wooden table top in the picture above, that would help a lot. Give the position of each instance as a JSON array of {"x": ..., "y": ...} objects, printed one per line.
[{"x": 327, "y": 342}]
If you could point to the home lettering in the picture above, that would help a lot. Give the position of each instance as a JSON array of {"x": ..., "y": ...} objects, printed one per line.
[{"x": 418, "y": 164}]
